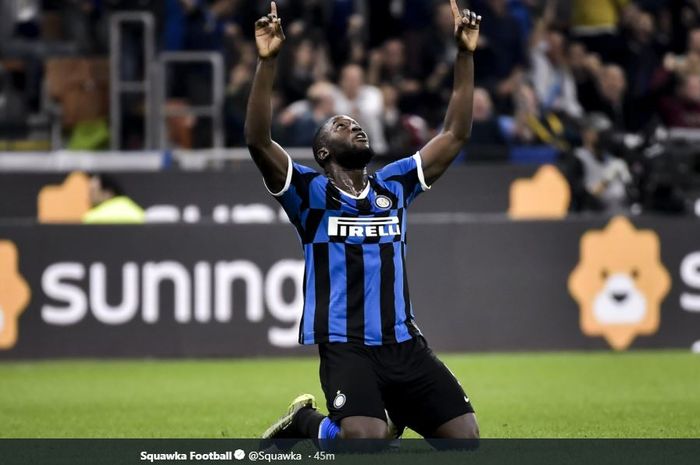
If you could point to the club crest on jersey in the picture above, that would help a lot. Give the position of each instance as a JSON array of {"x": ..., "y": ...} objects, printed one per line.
[
  {"x": 382, "y": 202},
  {"x": 339, "y": 226},
  {"x": 339, "y": 400}
]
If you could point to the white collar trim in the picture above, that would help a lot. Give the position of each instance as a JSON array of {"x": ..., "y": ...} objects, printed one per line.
[{"x": 362, "y": 195}]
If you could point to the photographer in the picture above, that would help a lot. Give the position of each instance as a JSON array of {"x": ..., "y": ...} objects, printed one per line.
[{"x": 605, "y": 178}]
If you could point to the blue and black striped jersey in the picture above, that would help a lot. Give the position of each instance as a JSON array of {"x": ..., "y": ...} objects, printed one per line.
[{"x": 355, "y": 284}]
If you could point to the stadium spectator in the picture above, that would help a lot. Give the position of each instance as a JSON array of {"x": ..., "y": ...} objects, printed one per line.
[
  {"x": 585, "y": 68},
  {"x": 643, "y": 54},
  {"x": 644, "y": 49},
  {"x": 606, "y": 178},
  {"x": 210, "y": 25},
  {"x": 685, "y": 63},
  {"x": 237, "y": 91},
  {"x": 554, "y": 83},
  {"x": 683, "y": 15},
  {"x": 362, "y": 102},
  {"x": 486, "y": 129},
  {"x": 629, "y": 59},
  {"x": 345, "y": 28},
  {"x": 405, "y": 133},
  {"x": 304, "y": 64},
  {"x": 551, "y": 73},
  {"x": 675, "y": 67},
  {"x": 388, "y": 65},
  {"x": 73, "y": 21},
  {"x": 13, "y": 111},
  {"x": 596, "y": 24},
  {"x": 532, "y": 126},
  {"x": 434, "y": 62},
  {"x": 612, "y": 99},
  {"x": 683, "y": 109},
  {"x": 175, "y": 16},
  {"x": 501, "y": 58},
  {"x": 523, "y": 12},
  {"x": 24, "y": 41},
  {"x": 417, "y": 17},
  {"x": 110, "y": 205},
  {"x": 299, "y": 122}
]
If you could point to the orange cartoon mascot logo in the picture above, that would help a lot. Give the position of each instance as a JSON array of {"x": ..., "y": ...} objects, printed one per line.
[
  {"x": 14, "y": 294},
  {"x": 619, "y": 283}
]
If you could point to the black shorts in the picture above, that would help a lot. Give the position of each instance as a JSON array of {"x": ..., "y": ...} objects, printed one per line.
[{"x": 406, "y": 379}]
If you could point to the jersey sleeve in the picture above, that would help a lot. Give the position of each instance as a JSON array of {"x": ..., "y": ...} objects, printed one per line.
[
  {"x": 294, "y": 196},
  {"x": 408, "y": 174}
]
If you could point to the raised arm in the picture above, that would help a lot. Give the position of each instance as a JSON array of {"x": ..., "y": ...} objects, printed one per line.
[
  {"x": 271, "y": 159},
  {"x": 439, "y": 153}
]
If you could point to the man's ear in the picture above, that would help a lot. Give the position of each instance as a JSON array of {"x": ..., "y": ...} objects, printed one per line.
[{"x": 323, "y": 154}]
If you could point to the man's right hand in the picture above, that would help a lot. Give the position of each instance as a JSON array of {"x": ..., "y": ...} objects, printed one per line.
[{"x": 269, "y": 35}]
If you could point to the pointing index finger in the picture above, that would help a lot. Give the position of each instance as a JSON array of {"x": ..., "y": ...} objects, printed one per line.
[
  {"x": 273, "y": 9},
  {"x": 455, "y": 11}
]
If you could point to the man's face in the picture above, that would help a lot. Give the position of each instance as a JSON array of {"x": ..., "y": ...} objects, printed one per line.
[
  {"x": 691, "y": 88},
  {"x": 304, "y": 55},
  {"x": 394, "y": 55},
  {"x": 591, "y": 139},
  {"x": 97, "y": 195},
  {"x": 644, "y": 27},
  {"x": 347, "y": 143},
  {"x": 614, "y": 80},
  {"x": 557, "y": 47},
  {"x": 694, "y": 41},
  {"x": 528, "y": 99},
  {"x": 321, "y": 97},
  {"x": 351, "y": 81},
  {"x": 577, "y": 56},
  {"x": 483, "y": 107}
]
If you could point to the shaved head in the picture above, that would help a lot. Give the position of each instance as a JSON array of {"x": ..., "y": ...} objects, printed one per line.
[
  {"x": 342, "y": 140},
  {"x": 321, "y": 140}
]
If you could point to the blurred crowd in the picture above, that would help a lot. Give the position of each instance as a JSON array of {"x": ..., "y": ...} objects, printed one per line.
[{"x": 546, "y": 70}]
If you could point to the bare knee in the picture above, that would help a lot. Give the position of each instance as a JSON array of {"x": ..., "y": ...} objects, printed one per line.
[
  {"x": 462, "y": 427},
  {"x": 472, "y": 430},
  {"x": 363, "y": 428}
]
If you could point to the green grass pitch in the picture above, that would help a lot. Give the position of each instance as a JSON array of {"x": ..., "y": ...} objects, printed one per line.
[{"x": 573, "y": 395}]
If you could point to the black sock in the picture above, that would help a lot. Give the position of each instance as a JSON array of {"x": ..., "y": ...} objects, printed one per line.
[{"x": 307, "y": 422}]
